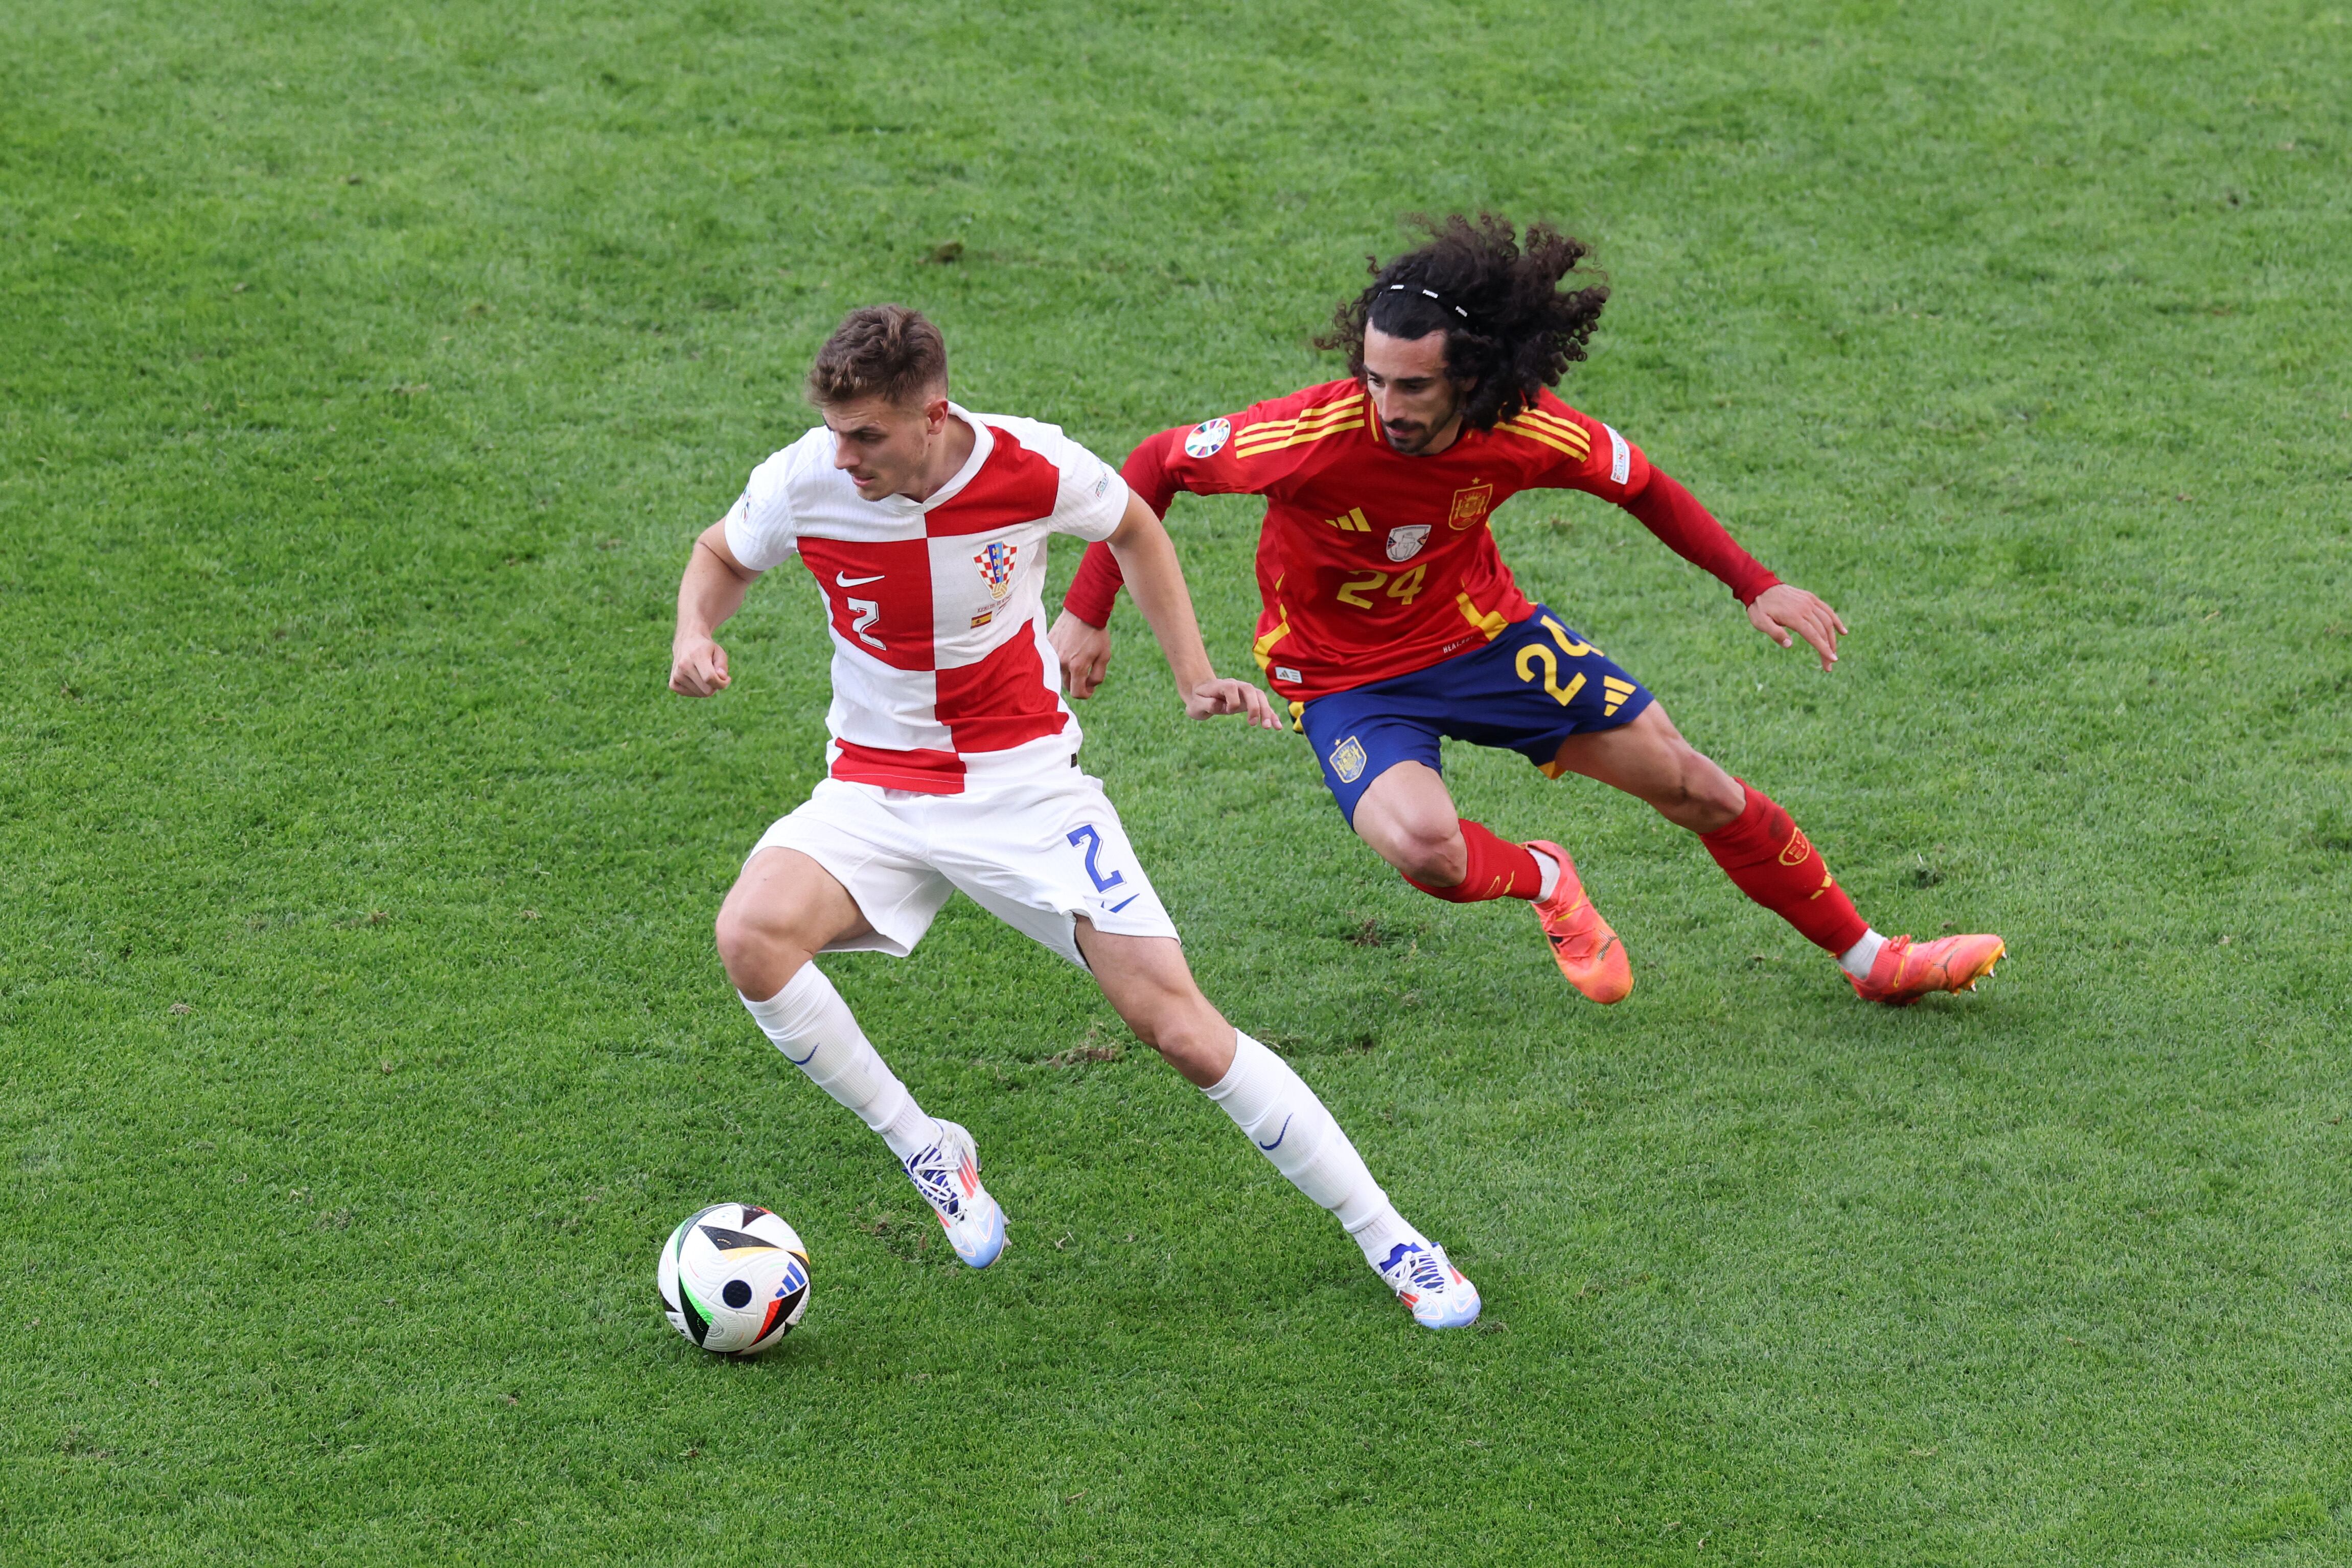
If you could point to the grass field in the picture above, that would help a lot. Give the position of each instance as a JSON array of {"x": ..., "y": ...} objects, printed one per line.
[{"x": 365, "y": 370}]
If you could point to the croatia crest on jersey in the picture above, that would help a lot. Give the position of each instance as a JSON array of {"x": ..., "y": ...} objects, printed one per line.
[
  {"x": 995, "y": 564},
  {"x": 1208, "y": 438}
]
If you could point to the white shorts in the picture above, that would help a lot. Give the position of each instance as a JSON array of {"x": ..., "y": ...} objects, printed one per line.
[{"x": 1036, "y": 852}]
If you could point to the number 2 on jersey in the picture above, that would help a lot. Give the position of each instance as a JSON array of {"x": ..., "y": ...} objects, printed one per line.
[
  {"x": 1402, "y": 588},
  {"x": 868, "y": 612}
]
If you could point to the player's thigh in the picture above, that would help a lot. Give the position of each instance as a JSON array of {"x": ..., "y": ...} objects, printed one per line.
[
  {"x": 870, "y": 849},
  {"x": 1041, "y": 857},
  {"x": 783, "y": 894}
]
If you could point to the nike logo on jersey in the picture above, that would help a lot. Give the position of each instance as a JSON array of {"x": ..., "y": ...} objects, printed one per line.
[{"x": 844, "y": 580}]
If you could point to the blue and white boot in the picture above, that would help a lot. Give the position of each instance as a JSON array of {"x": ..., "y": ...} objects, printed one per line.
[
  {"x": 947, "y": 1175},
  {"x": 1439, "y": 1295}
]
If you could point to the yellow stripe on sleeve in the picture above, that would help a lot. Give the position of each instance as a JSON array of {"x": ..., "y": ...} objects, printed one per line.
[
  {"x": 1577, "y": 445},
  {"x": 1311, "y": 425}
]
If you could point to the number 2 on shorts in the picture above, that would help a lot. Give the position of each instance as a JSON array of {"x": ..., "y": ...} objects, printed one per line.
[{"x": 1093, "y": 841}]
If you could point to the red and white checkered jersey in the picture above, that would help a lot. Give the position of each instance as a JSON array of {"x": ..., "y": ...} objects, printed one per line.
[{"x": 940, "y": 667}]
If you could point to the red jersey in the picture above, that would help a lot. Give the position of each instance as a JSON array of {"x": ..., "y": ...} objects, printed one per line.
[{"x": 1371, "y": 563}]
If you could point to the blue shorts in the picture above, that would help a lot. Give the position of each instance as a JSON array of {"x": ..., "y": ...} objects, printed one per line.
[{"x": 1527, "y": 691}]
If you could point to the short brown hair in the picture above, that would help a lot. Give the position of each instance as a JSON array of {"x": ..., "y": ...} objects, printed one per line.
[{"x": 882, "y": 351}]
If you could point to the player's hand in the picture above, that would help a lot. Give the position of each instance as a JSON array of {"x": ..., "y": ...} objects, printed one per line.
[
  {"x": 1211, "y": 698},
  {"x": 1781, "y": 609},
  {"x": 1085, "y": 653},
  {"x": 697, "y": 667}
]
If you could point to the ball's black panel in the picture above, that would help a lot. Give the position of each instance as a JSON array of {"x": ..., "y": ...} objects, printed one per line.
[
  {"x": 751, "y": 1212},
  {"x": 736, "y": 1293},
  {"x": 734, "y": 1241}
]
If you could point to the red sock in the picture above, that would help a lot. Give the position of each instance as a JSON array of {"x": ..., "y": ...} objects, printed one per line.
[
  {"x": 1498, "y": 869},
  {"x": 1775, "y": 864}
]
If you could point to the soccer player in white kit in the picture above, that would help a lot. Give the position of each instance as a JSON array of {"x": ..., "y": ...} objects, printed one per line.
[{"x": 953, "y": 765}]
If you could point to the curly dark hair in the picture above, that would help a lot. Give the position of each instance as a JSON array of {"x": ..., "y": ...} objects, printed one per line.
[{"x": 1509, "y": 329}]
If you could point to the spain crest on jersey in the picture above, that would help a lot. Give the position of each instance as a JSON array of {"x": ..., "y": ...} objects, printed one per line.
[
  {"x": 995, "y": 564},
  {"x": 1470, "y": 505}
]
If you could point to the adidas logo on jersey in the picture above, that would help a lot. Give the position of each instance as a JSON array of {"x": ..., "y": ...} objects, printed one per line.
[{"x": 1351, "y": 523}]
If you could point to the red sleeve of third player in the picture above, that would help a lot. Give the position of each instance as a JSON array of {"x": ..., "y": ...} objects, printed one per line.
[
  {"x": 1196, "y": 457},
  {"x": 1096, "y": 587}
]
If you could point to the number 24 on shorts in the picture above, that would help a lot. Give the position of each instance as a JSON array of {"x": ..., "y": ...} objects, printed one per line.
[{"x": 1535, "y": 653}]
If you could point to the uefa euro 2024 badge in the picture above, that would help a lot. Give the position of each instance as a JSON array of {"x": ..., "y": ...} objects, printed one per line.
[
  {"x": 995, "y": 564},
  {"x": 1405, "y": 543},
  {"x": 1208, "y": 438}
]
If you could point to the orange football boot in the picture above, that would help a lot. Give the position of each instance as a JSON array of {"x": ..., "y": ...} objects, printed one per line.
[
  {"x": 1588, "y": 953},
  {"x": 1903, "y": 973}
]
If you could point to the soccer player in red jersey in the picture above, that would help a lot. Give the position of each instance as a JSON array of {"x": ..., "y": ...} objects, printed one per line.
[{"x": 1390, "y": 619}]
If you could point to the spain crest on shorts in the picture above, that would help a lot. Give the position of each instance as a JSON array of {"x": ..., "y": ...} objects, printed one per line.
[
  {"x": 995, "y": 564},
  {"x": 1347, "y": 760}
]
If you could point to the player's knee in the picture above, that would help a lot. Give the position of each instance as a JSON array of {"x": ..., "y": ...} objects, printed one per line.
[
  {"x": 1178, "y": 1023},
  {"x": 1439, "y": 859},
  {"x": 1155, "y": 1014},
  {"x": 1702, "y": 796},
  {"x": 1716, "y": 792},
  {"x": 760, "y": 958},
  {"x": 1196, "y": 1041}
]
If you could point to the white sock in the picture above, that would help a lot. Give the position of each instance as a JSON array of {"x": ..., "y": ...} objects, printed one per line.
[
  {"x": 1293, "y": 1129},
  {"x": 1856, "y": 960},
  {"x": 812, "y": 1025},
  {"x": 1548, "y": 870}
]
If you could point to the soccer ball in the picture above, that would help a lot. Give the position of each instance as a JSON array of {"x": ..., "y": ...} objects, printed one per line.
[{"x": 734, "y": 1279}]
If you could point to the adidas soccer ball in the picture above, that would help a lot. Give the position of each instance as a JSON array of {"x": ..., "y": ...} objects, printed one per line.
[{"x": 734, "y": 1279}]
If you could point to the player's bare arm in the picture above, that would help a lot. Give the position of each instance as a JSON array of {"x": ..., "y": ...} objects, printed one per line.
[
  {"x": 712, "y": 591},
  {"x": 1146, "y": 558}
]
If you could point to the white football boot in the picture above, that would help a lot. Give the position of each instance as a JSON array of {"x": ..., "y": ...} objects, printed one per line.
[
  {"x": 1440, "y": 1295},
  {"x": 947, "y": 1175}
]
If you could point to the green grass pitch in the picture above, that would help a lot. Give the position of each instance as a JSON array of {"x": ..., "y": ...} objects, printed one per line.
[{"x": 365, "y": 370}]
